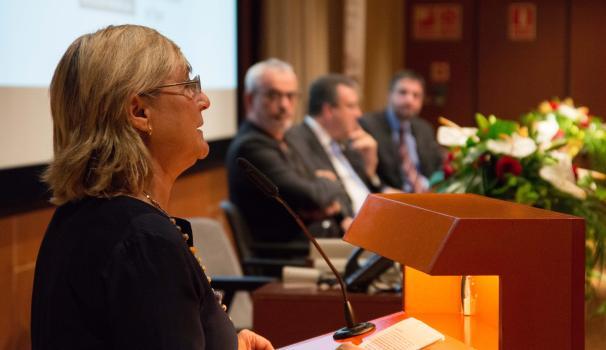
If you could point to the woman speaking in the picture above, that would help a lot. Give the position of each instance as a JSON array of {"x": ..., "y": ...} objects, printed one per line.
[{"x": 115, "y": 270}]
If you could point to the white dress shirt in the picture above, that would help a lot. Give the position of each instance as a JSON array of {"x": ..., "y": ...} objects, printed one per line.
[{"x": 355, "y": 187}]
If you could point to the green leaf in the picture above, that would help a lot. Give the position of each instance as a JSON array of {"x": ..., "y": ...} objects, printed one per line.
[
  {"x": 557, "y": 144},
  {"x": 500, "y": 127},
  {"x": 482, "y": 122},
  {"x": 526, "y": 194}
]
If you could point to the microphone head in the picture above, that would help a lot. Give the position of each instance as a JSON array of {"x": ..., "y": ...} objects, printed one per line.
[{"x": 258, "y": 178}]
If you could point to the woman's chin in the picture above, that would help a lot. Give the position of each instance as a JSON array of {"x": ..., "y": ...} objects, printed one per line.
[{"x": 205, "y": 149}]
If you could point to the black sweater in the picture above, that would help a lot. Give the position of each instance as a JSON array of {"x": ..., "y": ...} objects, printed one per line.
[{"x": 117, "y": 274}]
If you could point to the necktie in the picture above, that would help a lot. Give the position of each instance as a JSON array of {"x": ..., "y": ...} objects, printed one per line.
[{"x": 413, "y": 178}]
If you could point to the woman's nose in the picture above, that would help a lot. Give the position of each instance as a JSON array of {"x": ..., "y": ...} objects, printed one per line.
[{"x": 203, "y": 101}]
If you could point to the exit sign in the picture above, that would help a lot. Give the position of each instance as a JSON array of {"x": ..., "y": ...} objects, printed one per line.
[{"x": 522, "y": 21}]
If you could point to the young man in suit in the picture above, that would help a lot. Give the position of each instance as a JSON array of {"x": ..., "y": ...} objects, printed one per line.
[
  {"x": 335, "y": 145},
  {"x": 270, "y": 99},
  {"x": 408, "y": 151}
]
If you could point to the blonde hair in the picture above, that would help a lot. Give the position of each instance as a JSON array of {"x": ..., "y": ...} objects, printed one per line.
[{"x": 97, "y": 152}]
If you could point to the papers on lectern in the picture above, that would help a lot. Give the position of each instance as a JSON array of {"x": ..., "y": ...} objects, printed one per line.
[{"x": 409, "y": 334}]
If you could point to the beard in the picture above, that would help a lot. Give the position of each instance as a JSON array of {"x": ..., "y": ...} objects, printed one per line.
[{"x": 405, "y": 113}]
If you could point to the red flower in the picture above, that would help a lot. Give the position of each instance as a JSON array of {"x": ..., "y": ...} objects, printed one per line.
[
  {"x": 507, "y": 165},
  {"x": 448, "y": 170},
  {"x": 558, "y": 135},
  {"x": 575, "y": 171},
  {"x": 584, "y": 123},
  {"x": 447, "y": 167},
  {"x": 450, "y": 156},
  {"x": 554, "y": 105}
]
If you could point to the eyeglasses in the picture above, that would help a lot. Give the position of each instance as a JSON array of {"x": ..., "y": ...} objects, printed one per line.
[
  {"x": 275, "y": 95},
  {"x": 192, "y": 88}
]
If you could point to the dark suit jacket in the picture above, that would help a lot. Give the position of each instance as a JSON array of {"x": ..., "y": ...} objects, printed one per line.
[
  {"x": 306, "y": 142},
  {"x": 390, "y": 168},
  {"x": 298, "y": 185}
]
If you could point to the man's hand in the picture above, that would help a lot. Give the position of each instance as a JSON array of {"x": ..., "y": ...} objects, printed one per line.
[
  {"x": 319, "y": 214},
  {"x": 346, "y": 222},
  {"x": 388, "y": 189},
  {"x": 333, "y": 209},
  {"x": 248, "y": 340},
  {"x": 327, "y": 174},
  {"x": 362, "y": 142}
]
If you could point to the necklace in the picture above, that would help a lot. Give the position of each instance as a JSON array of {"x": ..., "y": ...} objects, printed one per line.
[
  {"x": 192, "y": 249},
  {"x": 155, "y": 203},
  {"x": 174, "y": 222}
]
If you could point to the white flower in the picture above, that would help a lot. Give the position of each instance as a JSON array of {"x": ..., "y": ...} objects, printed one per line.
[
  {"x": 454, "y": 136},
  {"x": 569, "y": 112},
  {"x": 547, "y": 129},
  {"x": 516, "y": 146},
  {"x": 561, "y": 175}
]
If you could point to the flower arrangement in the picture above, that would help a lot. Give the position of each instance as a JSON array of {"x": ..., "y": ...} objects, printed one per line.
[{"x": 554, "y": 158}]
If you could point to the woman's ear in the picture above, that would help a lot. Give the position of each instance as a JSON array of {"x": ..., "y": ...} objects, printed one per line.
[{"x": 137, "y": 115}]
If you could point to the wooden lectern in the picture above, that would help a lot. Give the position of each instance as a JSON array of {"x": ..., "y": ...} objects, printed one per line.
[{"x": 535, "y": 299}]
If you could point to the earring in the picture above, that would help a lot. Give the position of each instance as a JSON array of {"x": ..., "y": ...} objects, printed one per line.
[{"x": 149, "y": 130}]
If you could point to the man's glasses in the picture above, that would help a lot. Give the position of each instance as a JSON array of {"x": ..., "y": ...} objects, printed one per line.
[
  {"x": 191, "y": 90},
  {"x": 275, "y": 95}
]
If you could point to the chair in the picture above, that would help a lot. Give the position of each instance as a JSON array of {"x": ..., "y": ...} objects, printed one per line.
[
  {"x": 262, "y": 258},
  {"x": 222, "y": 265}
]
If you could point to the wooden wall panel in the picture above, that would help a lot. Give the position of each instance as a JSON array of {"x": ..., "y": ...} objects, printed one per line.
[
  {"x": 27, "y": 235},
  {"x": 29, "y": 230},
  {"x": 200, "y": 195},
  {"x": 384, "y": 50},
  {"x": 6, "y": 281},
  {"x": 20, "y": 237},
  {"x": 459, "y": 104},
  {"x": 513, "y": 77},
  {"x": 588, "y": 54},
  {"x": 22, "y": 299}
]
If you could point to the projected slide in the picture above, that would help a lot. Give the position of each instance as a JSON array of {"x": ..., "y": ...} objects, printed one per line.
[{"x": 35, "y": 33}]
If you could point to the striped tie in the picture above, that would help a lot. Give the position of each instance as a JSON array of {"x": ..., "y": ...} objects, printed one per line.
[{"x": 413, "y": 178}]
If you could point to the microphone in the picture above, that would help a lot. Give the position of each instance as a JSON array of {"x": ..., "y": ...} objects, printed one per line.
[{"x": 271, "y": 190}]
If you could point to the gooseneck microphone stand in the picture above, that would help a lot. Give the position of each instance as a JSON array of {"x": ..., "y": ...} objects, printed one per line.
[{"x": 271, "y": 190}]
